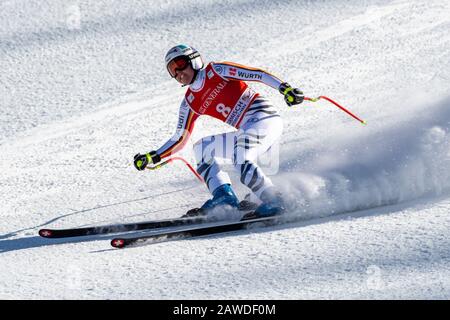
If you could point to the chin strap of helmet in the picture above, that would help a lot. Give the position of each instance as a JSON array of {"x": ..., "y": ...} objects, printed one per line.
[
  {"x": 195, "y": 76},
  {"x": 191, "y": 57}
]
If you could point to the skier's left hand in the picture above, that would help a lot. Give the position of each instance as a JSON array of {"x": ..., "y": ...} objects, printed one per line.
[
  {"x": 142, "y": 160},
  {"x": 292, "y": 96}
]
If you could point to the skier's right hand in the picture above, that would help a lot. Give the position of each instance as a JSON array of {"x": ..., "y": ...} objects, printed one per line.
[{"x": 142, "y": 160}]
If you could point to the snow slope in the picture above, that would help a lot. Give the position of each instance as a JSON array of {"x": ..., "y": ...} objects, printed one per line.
[{"x": 84, "y": 88}]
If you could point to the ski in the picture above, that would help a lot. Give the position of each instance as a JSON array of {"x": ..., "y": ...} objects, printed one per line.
[
  {"x": 193, "y": 216},
  {"x": 114, "y": 228},
  {"x": 193, "y": 231}
]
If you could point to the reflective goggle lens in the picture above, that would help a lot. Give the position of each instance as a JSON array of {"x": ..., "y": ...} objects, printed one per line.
[{"x": 177, "y": 64}]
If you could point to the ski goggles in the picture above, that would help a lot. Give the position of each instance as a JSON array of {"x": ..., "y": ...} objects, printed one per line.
[
  {"x": 177, "y": 64},
  {"x": 180, "y": 63}
]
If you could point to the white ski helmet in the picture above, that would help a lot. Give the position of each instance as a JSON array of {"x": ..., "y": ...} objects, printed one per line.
[{"x": 189, "y": 54}]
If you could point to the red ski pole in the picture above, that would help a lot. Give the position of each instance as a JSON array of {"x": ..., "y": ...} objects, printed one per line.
[
  {"x": 337, "y": 105},
  {"x": 159, "y": 165}
]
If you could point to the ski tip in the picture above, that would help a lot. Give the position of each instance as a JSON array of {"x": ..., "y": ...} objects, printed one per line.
[
  {"x": 46, "y": 233},
  {"x": 118, "y": 243}
]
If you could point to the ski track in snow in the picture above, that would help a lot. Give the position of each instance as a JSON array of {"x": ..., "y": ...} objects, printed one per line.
[{"x": 80, "y": 100}]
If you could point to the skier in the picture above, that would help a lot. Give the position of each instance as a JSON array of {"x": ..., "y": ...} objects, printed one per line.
[{"x": 219, "y": 90}]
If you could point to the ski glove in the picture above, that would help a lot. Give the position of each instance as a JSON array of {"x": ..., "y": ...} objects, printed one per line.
[
  {"x": 142, "y": 160},
  {"x": 292, "y": 96}
]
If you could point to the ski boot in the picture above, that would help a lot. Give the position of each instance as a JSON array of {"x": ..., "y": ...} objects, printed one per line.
[
  {"x": 272, "y": 204},
  {"x": 222, "y": 196}
]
